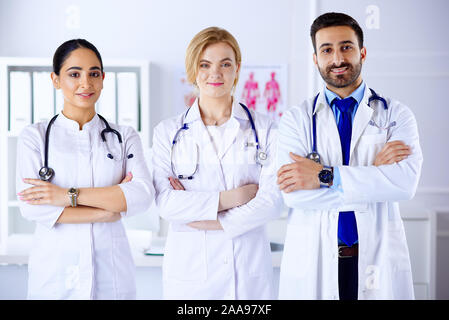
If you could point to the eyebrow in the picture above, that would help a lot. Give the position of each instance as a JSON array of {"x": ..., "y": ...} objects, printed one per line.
[
  {"x": 341, "y": 42},
  {"x": 79, "y": 68},
  {"x": 225, "y": 59}
]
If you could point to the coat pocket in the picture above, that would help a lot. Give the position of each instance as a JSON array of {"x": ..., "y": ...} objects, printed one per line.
[
  {"x": 296, "y": 260},
  {"x": 185, "y": 256},
  {"x": 369, "y": 146}
]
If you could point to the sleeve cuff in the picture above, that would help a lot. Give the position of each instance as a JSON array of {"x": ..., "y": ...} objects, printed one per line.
[
  {"x": 336, "y": 185},
  {"x": 138, "y": 197}
]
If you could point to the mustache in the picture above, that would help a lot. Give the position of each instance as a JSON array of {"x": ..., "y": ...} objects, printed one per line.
[{"x": 329, "y": 68}]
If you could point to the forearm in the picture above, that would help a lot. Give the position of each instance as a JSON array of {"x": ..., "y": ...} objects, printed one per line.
[
  {"x": 110, "y": 199},
  {"x": 83, "y": 214},
  {"x": 186, "y": 206},
  {"x": 394, "y": 182},
  {"x": 266, "y": 206}
]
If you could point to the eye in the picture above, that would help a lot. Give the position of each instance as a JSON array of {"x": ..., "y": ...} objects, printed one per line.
[
  {"x": 95, "y": 74},
  {"x": 326, "y": 50},
  {"x": 226, "y": 64},
  {"x": 74, "y": 74},
  {"x": 346, "y": 48},
  {"x": 204, "y": 65}
]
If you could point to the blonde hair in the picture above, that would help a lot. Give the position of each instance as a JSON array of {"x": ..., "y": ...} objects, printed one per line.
[{"x": 203, "y": 39}]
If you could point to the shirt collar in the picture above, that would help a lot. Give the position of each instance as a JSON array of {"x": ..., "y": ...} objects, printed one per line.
[
  {"x": 65, "y": 122},
  {"x": 357, "y": 94}
]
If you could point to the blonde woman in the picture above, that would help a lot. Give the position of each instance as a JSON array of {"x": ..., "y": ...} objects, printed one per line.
[{"x": 215, "y": 183}]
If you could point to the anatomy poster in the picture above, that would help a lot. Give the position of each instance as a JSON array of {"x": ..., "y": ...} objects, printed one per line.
[{"x": 264, "y": 88}]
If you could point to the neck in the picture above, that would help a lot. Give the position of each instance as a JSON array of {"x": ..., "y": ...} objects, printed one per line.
[
  {"x": 346, "y": 91},
  {"x": 215, "y": 111},
  {"x": 80, "y": 115}
]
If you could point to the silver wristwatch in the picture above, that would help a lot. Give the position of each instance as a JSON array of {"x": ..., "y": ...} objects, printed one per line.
[{"x": 73, "y": 195}]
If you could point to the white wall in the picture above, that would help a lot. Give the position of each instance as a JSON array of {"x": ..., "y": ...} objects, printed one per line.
[{"x": 160, "y": 32}]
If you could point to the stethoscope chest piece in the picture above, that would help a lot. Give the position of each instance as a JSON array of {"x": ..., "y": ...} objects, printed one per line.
[
  {"x": 46, "y": 173},
  {"x": 314, "y": 156},
  {"x": 261, "y": 157}
]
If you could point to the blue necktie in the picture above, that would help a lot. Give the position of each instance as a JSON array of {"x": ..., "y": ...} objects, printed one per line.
[{"x": 347, "y": 226}]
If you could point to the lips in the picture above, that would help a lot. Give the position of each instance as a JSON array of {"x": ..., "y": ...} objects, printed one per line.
[
  {"x": 215, "y": 84},
  {"x": 85, "y": 95},
  {"x": 339, "y": 70}
]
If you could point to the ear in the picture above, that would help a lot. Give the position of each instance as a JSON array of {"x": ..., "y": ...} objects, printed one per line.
[
  {"x": 315, "y": 59},
  {"x": 363, "y": 54},
  {"x": 237, "y": 74},
  {"x": 55, "y": 80}
]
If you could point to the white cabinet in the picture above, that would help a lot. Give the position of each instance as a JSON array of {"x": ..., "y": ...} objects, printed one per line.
[
  {"x": 27, "y": 96},
  {"x": 420, "y": 230}
]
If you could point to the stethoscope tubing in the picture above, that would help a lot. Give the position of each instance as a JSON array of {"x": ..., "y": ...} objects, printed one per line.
[
  {"x": 48, "y": 176},
  {"x": 185, "y": 126},
  {"x": 374, "y": 96}
]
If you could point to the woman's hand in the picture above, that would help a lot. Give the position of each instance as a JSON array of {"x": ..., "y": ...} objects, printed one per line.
[
  {"x": 175, "y": 184},
  {"x": 228, "y": 199},
  {"x": 206, "y": 225},
  {"x": 237, "y": 197},
  {"x": 107, "y": 216},
  {"x": 44, "y": 192}
]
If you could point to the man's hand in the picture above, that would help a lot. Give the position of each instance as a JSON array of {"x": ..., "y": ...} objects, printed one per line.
[
  {"x": 299, "y": 175},
  {"x": 392, "y": 152}
]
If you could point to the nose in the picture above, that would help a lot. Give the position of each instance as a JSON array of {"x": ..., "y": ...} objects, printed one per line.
[
  {"x": 85, "y": 81},
  {"x": 215, "y": 71},
  {"x": 337, "y": 58}
]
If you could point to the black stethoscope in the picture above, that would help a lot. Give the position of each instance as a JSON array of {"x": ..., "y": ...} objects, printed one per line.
[
  {"x": 314, "y": 155},
  {"x": 46, "y": 173},
  {"x": 260, "y": 157}
]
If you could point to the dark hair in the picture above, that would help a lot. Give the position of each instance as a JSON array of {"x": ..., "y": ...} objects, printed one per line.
[
  {"x": 333, "y": 19},
  {"x": 65, "y": 49}
]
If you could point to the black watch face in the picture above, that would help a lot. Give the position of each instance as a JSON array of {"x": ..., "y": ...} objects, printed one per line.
[
  {"x": 325, "y": 176},
  {"x": 72, "y": 190}
]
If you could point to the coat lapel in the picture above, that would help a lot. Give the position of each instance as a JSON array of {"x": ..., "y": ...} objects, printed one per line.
[{"x": 361, "y": 120}]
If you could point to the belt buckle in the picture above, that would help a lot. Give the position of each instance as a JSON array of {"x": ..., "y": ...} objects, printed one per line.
[{"x": 340, "y": 249}]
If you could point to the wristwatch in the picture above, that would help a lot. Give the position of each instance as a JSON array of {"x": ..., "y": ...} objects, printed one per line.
[
  {"x": 326, "y": 176},
  {"x": 73, "y": 195}
]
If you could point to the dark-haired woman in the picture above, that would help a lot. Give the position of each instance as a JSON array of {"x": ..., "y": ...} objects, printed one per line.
[{"x": 77, "y": 197}]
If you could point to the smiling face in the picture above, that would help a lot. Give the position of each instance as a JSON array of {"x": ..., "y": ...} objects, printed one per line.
[
  {"x": 80, "y": 79},
  {"x": 217, "y": 71},
  {"x": 339, "y": 58}
]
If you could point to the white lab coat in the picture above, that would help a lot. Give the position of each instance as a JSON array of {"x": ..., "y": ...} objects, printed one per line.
[
  {"x": 234, "y": 263},
  {"x": 309, "y": 268},
  {"x": 91, "y": 260}
]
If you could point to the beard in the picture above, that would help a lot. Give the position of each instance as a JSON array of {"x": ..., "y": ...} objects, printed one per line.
[{"x": 342, "y": 80}]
